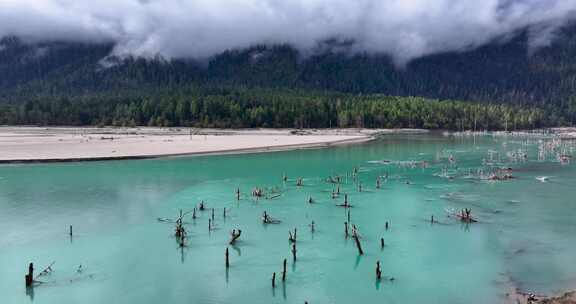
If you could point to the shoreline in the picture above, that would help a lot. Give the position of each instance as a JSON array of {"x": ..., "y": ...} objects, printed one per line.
[
  {"x": 191, "y": 154},
  {"x": 58, "y": 144},
  {"x": 518, "y": 297},
  {"x": 21, "y": 145}
]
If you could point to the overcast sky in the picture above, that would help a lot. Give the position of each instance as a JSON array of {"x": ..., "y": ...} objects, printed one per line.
[{"x": 404, "y": 29}]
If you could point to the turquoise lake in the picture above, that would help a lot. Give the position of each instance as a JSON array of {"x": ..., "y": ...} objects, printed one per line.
[{"x": 525, "y": 235}]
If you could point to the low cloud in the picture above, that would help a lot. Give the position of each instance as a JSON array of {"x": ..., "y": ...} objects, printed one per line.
[{"x": 403, "y": 29}]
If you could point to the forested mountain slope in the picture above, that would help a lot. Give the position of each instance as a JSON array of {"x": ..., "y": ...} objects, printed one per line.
[{"x": 506, "y": 71}]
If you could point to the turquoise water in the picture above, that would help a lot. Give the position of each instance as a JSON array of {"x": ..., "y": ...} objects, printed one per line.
[{"x": 525, "y": 237}]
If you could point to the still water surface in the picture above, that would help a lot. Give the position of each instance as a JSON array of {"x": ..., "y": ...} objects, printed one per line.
[{"x": 525, "y": 237}]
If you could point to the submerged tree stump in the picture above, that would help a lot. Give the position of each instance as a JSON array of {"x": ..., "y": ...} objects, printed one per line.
[
  {"x": 284, "y": 271},
  {"x": 30, "y": 276}
]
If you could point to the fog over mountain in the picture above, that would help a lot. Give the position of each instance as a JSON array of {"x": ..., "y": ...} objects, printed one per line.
[{"x": 198, "y": 29}]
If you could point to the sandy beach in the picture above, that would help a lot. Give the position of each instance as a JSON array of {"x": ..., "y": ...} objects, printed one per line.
[{"x": 37, "y": 144}]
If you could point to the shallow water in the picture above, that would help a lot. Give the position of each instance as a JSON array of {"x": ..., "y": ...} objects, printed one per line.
[{"x": 525, "y": 236}]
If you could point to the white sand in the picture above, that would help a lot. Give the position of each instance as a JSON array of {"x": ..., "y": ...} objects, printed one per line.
[
  {"x": 565, "y": 133},
  {"x": 25, "y": 144}
]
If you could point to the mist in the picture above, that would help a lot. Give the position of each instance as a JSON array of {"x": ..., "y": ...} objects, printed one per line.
[{"x": 199, "y": 29}]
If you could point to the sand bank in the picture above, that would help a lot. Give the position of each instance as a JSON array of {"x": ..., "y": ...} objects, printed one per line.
[
  {"x": 566, "y": 132},
  {"x": 36, "y": 144}
]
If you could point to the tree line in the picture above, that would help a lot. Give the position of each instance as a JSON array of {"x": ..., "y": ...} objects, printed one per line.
[{"x": 278, "y": 108}]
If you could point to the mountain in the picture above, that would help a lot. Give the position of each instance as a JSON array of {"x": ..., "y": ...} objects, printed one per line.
[
  {"x": 40, "y": 81},
  {"x": 501, "y": 71}
]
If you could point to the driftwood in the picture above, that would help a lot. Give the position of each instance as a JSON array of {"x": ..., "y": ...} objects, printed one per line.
[
  {"x": 356, "y": 238},
  {"x": 46, "y": 270},
  {"x": 355, "y": 232},
  {"x": 274, "y": 196},
  {"x": 235, "y": 236},
  {"x": 346, "y": 204},
  {"x": 180, "y": 231},
  {"x": 266, "y": 219}
]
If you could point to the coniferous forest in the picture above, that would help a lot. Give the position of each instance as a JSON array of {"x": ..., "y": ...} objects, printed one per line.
[
  {"x": 503, "y": 85},
  {"x": 275, "y": 108}
]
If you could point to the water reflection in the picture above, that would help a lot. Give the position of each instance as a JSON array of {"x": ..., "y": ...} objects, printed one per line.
[
  {"x": 30, "y": 293},
  {"x": 237, "y": 249},
  {"x": 118, "y": 237},
  {"x": 357, "y": 262}
]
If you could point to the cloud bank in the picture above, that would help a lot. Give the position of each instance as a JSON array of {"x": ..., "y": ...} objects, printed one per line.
[{"x": 403, "y": 29}]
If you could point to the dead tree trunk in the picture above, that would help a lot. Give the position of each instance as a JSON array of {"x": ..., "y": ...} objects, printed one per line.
[
  {"x": 357, "y": 239},
  {"x": 227, "y": 259},
  {"x": 30, "y": 276},
  {"x": 284, "y": 271}
]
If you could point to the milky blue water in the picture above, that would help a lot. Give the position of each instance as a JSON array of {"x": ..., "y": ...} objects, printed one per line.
[{"x": 525, "y": 237}]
